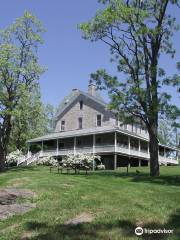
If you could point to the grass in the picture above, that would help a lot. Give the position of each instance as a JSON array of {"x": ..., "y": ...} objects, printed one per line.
[{"x": 118, "y": 203}]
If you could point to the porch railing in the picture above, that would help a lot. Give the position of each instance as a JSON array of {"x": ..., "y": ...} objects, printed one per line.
[{"x": 107, "y": 149}]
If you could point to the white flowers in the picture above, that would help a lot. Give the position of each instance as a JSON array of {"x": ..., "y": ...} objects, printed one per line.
[
  {"x": 13, "y": 157},
  {"x": 80, "y": 160},
  {"x": 101, "y": 167},
  {"x": 47, "y": 161}
]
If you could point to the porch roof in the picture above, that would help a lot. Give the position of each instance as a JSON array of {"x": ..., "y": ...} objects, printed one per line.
[
  {"x": 91, "y": 131},
  {"x": 84, "y": 132}
]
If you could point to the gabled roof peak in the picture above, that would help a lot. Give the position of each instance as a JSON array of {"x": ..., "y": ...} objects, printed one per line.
[{"x": 73, "y": 95}]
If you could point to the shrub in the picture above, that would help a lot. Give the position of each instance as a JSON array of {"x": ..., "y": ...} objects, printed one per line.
[
  {"x": 101, "y": 167},
  {"x": 13, "y": 157},
  {"x": 80, "y": 160},
  {"x": 47, "y": 161}
]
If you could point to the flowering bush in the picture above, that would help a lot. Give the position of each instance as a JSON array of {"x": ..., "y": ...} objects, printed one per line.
[
  {"x": 101, "y": 167},
  {"x": 80, "y": 160},
  {"x": 13, "y": 157},
  {"x": 47, "y": 161}
]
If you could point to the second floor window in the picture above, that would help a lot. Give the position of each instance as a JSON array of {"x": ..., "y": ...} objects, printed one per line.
[
  {"x": 80, "y": 123},
  {"x": 132, "y": 127},
  {"x": 99, "y": 120},
  {"x": 125, "y": 126},
  {"x": 81, "y": 105},
  {"x": 136, "y": 127},
  {"x": 62, "y": 125}
]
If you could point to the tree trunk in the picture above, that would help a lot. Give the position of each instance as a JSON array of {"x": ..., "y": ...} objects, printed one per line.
[
  {"x": 154, "y": 153},
  {"x": 2, "y": 159},
  {"x": 4, "y": 140}
]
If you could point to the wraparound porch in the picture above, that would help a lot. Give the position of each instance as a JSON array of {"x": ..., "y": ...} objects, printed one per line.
[{"x": 112, "y": 144}]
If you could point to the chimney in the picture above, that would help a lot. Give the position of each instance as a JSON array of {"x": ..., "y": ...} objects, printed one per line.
[
  {"x": 92, "y": 89},
  {"x": 75, "y": 90}
]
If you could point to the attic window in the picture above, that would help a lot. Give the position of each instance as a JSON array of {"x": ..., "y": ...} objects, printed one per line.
[
  {"x": 80, "y": 123},
  {"x": 81, "y": 105},
  {"x": 62, "y": 125}
]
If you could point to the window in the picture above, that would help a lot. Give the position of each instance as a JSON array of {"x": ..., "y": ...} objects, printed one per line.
[
  {"x": 98, "y": 141},
  {"x": 62, "y": 125},
  {"x": 81, "y": 105},
  {"x": 99, "y": 120},
  {"x": 132, "y": 128},
  {"x": 61, "y": 145},
  {"x": 140, "y": 127},
  {"x": 125, "y": 126},
  {"x": 136, "y": 127},
  {"x": 80, "y": 123},
  {"x": 79, "y": 143}
]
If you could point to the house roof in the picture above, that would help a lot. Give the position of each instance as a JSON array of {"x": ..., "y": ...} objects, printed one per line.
[{"x": 68, "y": 100}]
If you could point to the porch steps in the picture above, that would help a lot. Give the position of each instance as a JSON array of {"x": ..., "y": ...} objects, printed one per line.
[{"x": 27, "y": 160}]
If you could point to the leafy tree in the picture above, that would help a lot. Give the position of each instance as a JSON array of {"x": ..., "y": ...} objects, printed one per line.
[
  {"x": 138, "y": 33},
  {"x": 50, "y": 112},
  {"x": 29, "y": 121},
  {"x": 168, "y": 133},
  {"x": 19, "y": 71}
]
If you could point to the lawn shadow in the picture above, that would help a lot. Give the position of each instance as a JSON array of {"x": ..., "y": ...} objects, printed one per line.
[
  {"x": 22, "y": 168},
  {"x": 173, "y": 180},
  {"x": 101, "y": 231}
]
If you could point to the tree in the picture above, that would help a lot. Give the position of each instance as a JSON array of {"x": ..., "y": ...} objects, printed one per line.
[
  {"x": 29, "y": 121},
  {"x": 138, "y": 33},
  {"x": 19, "y": 71},
  {"x": 168, "y": 133},
  {"x": 50, "y": 113}
]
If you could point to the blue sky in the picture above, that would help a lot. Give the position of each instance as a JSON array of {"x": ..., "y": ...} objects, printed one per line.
[{"x": 69, "y": 58}]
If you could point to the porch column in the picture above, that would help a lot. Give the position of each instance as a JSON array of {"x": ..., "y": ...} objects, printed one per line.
[
  {"x": 115, "y": 142},
  {"x": 94, "y": 149},
  {"x": 148, "y": 153},
  {"x": 115, "y": 161},
  {"x": 42, "y": 149},
  {"x": 28, "y": 154},
  {"x": 177, "y": 155},
  {"x": 57, "y": 149},
  {"x": 94, "y": 143},
  {"x": 139, "y": 147},
  {"x": 74, "y": 145},
  {"x": 129, "y": 144},
  {"x": 139, "y": 162},
  {"x": 164, "y": 152}
]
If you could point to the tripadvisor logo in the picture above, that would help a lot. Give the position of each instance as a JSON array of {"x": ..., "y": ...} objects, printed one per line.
[{"x": 139, "y": 231}]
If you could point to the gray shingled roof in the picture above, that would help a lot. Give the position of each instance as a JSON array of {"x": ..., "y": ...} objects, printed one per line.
[{"x": 73, "y": 95}]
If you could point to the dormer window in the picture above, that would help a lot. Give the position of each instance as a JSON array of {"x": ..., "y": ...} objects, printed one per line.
[
  {"x": 81, "y": 105},
  {"x": 80, "y": 123},
  {"x": 98, "y": 121},
  {"x": 62, "y": 125},
  {"x": 125, "y": 126}
]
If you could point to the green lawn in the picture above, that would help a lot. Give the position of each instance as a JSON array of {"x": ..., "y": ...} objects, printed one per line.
[{"x": 118, "y": 203}]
